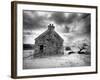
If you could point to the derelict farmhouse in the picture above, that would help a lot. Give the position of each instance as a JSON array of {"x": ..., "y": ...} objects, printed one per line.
[{"x": 48, "y": 43}]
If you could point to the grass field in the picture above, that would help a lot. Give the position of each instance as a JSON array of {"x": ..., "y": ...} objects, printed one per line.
[{"x": 72, "y": 60}]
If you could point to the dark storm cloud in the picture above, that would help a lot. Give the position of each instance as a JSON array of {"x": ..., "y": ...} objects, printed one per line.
[
  {"x": 66, "y": 29},
  {"x": 58, "y": 18},
  {"x": 87, "y": 23},
  {"x": 31, "y": 20},
  {"x": 61, "y": 18},
  {"x": 34, "y": 20},
  {"x": 64, "y": 19}
]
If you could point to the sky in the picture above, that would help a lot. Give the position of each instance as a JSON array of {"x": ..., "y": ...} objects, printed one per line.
[{"x": 70, "y": 26}]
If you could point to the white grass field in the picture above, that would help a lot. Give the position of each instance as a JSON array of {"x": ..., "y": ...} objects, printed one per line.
[{"x": 72, "y": 60}]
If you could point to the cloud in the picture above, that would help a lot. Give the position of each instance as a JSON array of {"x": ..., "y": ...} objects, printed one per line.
[
  {"x": 70, "y": 26},
  {"x": 65, "y": 22},
  {"x": 71, "y": 21},
  {"x": 58, "y": 18},
  {"x": 61, "y": 18},
  {"x": 87, "y": 25},
  {"x": 83, "y": 24},
  {"x": 31, "y": 20}
]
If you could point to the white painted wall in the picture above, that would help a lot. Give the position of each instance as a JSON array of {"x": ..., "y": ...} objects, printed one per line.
[{"x": 5, "y": 41}]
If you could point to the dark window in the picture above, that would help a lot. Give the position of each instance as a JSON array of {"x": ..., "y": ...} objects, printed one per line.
[
  {"x": 41, "y": 48},
  {"x": 48, "y": 39}
]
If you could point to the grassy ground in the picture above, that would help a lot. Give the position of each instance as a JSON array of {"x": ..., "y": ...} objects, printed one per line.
[{"x": 72, "y": 60}]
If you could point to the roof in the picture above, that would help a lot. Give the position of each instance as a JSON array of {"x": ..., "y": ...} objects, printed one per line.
[
  {"x": 47, "y": 32},
  {"x": 50, "y": 31}
]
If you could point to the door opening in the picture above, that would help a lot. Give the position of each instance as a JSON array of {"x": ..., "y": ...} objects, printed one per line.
[{"x": 41, "y": 48}]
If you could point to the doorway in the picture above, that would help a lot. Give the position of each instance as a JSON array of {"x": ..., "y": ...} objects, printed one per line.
[{"x": 41, "y": 48}]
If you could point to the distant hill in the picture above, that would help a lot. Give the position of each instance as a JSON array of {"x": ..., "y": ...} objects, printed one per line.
[{"x": 28, "y": 46}]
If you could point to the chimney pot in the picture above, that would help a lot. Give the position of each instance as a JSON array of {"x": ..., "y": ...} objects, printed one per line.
[{"x": 51, "y": 27}]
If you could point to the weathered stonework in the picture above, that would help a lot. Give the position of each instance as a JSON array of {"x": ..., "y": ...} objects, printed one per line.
[{"x": 48, "y": 43}]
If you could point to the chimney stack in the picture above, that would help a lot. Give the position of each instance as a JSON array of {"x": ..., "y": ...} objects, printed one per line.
[{"x": 51, "y": 27}]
